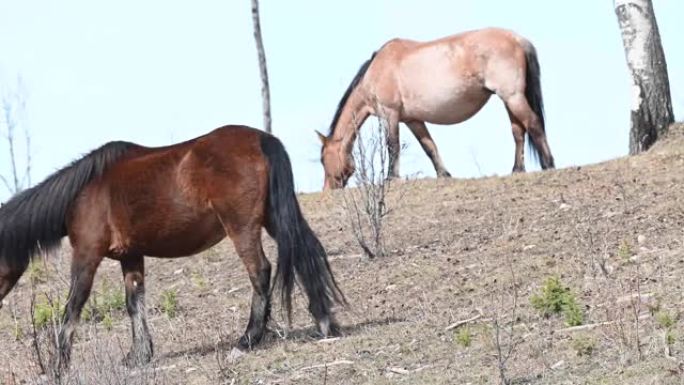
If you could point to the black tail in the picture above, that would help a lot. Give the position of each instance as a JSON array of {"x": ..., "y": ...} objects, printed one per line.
[
  {"x": 35, "y": 219},
  {"x": 355, "y": 82},
  {"x": 298, "y": 248},
  {"x": 533, "y": 93}
]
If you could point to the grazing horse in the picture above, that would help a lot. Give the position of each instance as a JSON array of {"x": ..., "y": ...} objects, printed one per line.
[
  {"x": 444, "y": 81},
  {"x": 124, "y": 201}
]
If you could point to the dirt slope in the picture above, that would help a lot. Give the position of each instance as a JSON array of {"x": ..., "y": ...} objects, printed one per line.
[{"x": 459, "y": 247}]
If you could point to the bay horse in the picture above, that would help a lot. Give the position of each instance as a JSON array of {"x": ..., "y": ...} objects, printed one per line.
[
  {"x": 444, "y": 81},
  {"x": 124, "y": 201}
]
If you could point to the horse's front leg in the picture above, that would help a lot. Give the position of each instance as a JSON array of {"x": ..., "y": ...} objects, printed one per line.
[
  {"x": 393, "y": 147},
  {"x": 420, "y": 131},
  {"x": 133, "y": 269},
  {"x": 8, "y": 278},
  {"x": 83, "y": 267}
]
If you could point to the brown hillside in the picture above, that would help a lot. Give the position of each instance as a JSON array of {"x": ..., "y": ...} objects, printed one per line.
[{"x": 609, "y": 231}]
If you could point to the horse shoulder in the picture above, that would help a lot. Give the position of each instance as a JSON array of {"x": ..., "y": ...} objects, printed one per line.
[{"x": 91, "y": 218}]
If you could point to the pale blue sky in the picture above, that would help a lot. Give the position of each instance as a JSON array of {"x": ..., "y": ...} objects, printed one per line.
[{"x": 156, "y": 72}]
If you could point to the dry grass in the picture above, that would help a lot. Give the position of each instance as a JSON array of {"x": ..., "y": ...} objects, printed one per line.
[{"x": 451, "y": 241}]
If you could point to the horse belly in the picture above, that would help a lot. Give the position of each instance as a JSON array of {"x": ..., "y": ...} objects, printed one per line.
[
  {"x": 440, "y": 89},
  {"x": 444, "y": 105},
  {"x": 186, "y": 239},
  {"x": 169, "y": 233}
]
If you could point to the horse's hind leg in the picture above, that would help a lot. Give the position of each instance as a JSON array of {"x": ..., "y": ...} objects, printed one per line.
[
  {"x": 521, "y": 110},
  {"x": 421, "y": 133},
  {"x": 249, "y": 248},
  {"x": 519, "y": 137},
  {"x": 133, "y": 269},
  {"x": 83, "y": 267}
]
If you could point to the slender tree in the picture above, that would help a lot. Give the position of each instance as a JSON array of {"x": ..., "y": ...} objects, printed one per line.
[
  {"x": 651, "y": 111},
  {"x": 265, "y": 90},
  {"x": 13, "y": 107}
]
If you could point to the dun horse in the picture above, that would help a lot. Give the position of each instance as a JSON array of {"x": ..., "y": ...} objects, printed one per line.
[
  {"x": 124, "y": 201},
  {"x": 444, "y": 81}
]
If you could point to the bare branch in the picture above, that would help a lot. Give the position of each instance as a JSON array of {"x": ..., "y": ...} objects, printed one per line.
[
  {"x": 460, "y": 323},
  {"x": 6, "y": 183},
  {"x": 367, "y": 206},
  {"x": 13, "y": 106},
  {"x": 10, "y": 123},
  {"x": 26, "y": 181},
  {"x": 34, "y": 329}
]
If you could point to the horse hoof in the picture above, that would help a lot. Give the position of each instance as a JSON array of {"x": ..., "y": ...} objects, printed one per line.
[
  {"x": 235, "y": 354},
  {"x": 334, "y": 330},
  {"x": 443, "y": 174},
  {"x": 245, "y": 343},
  {"x": 327, "y": 327},
  {"x": 248, "y": 341}
]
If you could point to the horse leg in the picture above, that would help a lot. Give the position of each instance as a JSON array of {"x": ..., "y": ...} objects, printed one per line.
[
  {"x": 519, "y": 137},
  {"x": 518, "y": 106},
  {"x": 249, "y": 248},
  {"x": 82, "y": 274},
  {"x": 133, "y": 269},
  {"x": 392, "y": 121},
  {"x": 421, "y": 133},
  {"x": 8, "y": 278}
]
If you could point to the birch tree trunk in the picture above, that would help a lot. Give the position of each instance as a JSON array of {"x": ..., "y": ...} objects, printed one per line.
[
  {"x": 651, "y": 112},
  {"x": 265, "y": 90}
]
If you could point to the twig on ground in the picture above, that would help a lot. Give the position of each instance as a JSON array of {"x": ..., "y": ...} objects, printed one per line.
[
  {"x": 464, "y": 322},
  {"x": 328, "y": 340},
  {"x": 594, "y": 325},
  {"x": 334, "y": 363}
]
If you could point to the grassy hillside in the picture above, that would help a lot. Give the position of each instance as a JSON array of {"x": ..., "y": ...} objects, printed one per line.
[{"x": 478, "y": 249}]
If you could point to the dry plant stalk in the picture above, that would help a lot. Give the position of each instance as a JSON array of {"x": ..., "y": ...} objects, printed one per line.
[
  {"x": 636, "y": 308},
  {"x": 45, "y": 342},
  {"x": 367, "y": 205},
  {"x": 504, "y": 339}
]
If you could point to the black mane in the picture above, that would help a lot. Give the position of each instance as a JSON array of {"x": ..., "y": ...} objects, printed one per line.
[
  {"x": 354, "y": 83},
  {"x": 34, "y": 219}
]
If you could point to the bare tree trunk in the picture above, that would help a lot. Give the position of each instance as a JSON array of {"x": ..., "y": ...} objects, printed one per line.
[
  {"x": 7, "y": 108},
  {"x": 13, "y": 107},
  {"x": 651, "y": 101},
  {"x": 265, "y": 91}
]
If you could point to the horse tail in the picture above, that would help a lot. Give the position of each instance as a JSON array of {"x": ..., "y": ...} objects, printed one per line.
[
  {"x": 354, "y": 83},
  {"x": 35, "y": 219},
  {"x": 533, "y": 93},
  {"x": 299, "y": 250}
]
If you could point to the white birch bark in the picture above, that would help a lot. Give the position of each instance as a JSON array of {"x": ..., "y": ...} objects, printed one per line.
[{"x": 651, "y": 110}]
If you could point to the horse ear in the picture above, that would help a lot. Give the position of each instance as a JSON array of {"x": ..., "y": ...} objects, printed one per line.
[{"x": 322, "y": 138}]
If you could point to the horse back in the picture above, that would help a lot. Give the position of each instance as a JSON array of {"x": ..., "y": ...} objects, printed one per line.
[{"x": 163, "y": 201}]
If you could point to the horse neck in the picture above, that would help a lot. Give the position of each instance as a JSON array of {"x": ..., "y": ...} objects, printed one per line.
[{"x": 353, "y": 114}]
